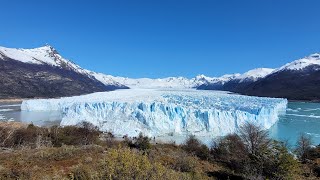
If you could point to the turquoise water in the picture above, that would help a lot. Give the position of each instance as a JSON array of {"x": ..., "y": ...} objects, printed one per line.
[
  {"x": 300, "y": 118},
  {"x": 12, "y": 112}
]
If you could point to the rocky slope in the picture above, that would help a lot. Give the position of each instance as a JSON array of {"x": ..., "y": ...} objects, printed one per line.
[
  {"x": 298, "y": 80},
  {"x": 42, "y": 72}
]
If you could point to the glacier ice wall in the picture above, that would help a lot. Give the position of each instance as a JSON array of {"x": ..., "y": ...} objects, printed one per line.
[{"x": 164, "y": 112}]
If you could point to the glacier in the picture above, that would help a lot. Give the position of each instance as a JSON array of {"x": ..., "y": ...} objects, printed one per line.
[{"x": 164, "y": 112}]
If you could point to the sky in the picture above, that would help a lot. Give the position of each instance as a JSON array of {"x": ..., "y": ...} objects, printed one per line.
[{"x": 162, "y": 38}]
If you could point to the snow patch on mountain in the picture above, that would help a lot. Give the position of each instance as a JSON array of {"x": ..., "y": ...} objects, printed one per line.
[
  {"x": 224, "y": 79},
  {"x": 47, "y": 55},
  {"x": 254, "y": 74},
  {"x": 170, "y": 82},
  {"x": 105, "y": 79},
  {"x": 313, "y": 59}
]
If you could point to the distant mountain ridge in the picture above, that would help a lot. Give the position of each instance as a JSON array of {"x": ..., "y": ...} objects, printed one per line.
[
  {"x": 43, "y": 72},
  {"x": 297, "y": 80}
]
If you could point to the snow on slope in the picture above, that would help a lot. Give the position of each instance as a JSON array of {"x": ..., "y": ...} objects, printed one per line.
[
  {"x": 170, "y": 82},
  {"x": 223, "y": 79},
  {"x": 164, "y": 112},
  {"x": 313, "y": 59},
  {"x": 42, "y": 55},
  {"x": 49, "y": 56},
  {"x": 182, "y": 83},
  {"x": 105, "y": 79},
  {"x": 254, "y": 74}
]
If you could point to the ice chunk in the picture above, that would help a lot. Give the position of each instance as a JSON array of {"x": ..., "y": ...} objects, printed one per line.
[{"x": 163, "y": 112}]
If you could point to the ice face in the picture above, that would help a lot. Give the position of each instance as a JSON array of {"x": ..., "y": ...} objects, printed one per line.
[{"x": 164, "y": 112}]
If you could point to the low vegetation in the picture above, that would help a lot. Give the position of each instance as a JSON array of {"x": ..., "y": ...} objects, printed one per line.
[{"x": 83, "y": 152}]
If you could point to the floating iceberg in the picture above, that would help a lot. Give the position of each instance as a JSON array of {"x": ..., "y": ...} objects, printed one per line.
[{"x": 164, "y": 112}]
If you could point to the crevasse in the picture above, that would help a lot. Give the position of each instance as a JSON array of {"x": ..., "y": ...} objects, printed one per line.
[{"x": 164, "y": 112}]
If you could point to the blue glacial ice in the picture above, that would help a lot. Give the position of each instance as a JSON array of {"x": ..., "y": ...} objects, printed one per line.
[{"x": 164, "y": 112}]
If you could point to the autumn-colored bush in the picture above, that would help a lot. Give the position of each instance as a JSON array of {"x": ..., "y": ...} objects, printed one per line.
[
  {"x": 37, "y": 137},
  {"x": 83, "y": 152},
  {"x": 194, "y": 146},
  {"x": 83, "y": 134},
  {"x": 130, "y": 164},
  {"x": 254, "y": 155},
  {"x": 6, "y": 139},
  {"x": 142, "y": 142}
]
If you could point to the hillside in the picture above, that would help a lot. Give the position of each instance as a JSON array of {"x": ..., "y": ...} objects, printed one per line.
[{"x": 42, "y": 72}]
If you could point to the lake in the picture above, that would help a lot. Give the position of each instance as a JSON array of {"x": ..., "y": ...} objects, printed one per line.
[
  {"x": 12, "y": 112},
  {"x": 301, "y": 117}
]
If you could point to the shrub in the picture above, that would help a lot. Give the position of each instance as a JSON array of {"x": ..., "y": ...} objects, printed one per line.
[
  {"x": 81, "y": 172},
  {"x": 112, "y": 142},
  {"x": 283, "y": 164},
  {"x": 128, "y": 164},
  {"x": 32, "y": 136},
  {"x": 194, "y": 146},
  {"x": 186, "y": 164},
  {"x": 231, "y": 151},
  {"x": 314, "y": 153},
  {"x": 303, "y": 147},
  {"x": 6, "y": 139},
  {"x": 316, "y": 170},
  {"x": 83, "y": 134},
  {"x": 142, "y": 142},
  {"x": 255, "y": 156}
]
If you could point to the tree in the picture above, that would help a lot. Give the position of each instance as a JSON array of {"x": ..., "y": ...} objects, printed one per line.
[
  {"x": 231, "y": 151},
  {"x": 254, "y": 155},
  {"x": 255, "y": 139},
  {"x": 142, "y": 142},
  {"x": 194, "y": 146},
  {"x": 284, "y": 165},
  {"x": 303, "y": 147}
]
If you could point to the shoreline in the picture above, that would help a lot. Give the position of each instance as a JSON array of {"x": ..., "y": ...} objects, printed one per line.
[
  {"x": 11, "y": 100},
  {"x": 305, "y": 101}
]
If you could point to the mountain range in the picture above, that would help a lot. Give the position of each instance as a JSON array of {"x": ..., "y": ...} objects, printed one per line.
[
  {"x": 43, "y": 72},
  {"x": 297, "y": 80}
]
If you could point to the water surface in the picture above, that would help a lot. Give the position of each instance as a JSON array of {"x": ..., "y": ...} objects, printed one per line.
[
  {"x": 12, "y": 112},
  {"x": 301, "y": 117}
]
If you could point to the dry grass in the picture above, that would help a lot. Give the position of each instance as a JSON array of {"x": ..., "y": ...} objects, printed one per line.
[
  {"x": 13, "y": 125},
  {"x": 97, "y": 162},
  {"x": 84, "y": 153},
  {"x": 13, "y": 100}
]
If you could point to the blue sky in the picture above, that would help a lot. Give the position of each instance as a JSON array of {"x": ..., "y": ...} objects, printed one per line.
[{"x": 160, "y": 38}]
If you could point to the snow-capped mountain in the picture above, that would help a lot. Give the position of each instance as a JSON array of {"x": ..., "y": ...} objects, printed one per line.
[
  {"x": 230, "y": 81},
  {"x": 169, "y": 82},
  {"x": 48, "y": 56},
  {"x": 300, "y": 64},
  {"x": 45, "y": 55},
  {"x": 254, "y": 74},
  {"x": 43, "y": 72},
  {"x": 297, "y": 80}
]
